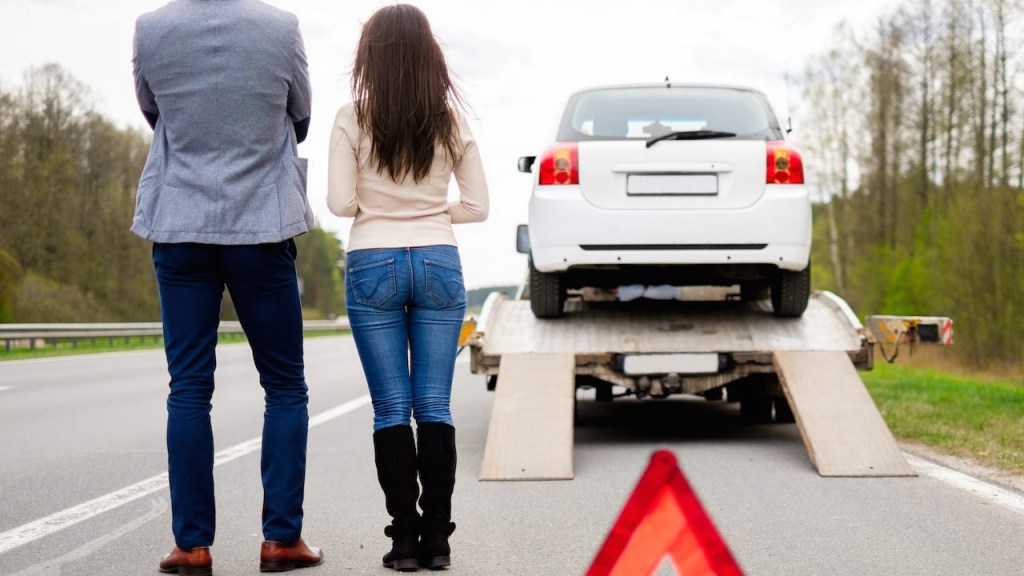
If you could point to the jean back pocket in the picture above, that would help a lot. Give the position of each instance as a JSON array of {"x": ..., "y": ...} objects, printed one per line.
[
  {"x": 373, "y": 283},
  {"x": 444, "y": 284}
]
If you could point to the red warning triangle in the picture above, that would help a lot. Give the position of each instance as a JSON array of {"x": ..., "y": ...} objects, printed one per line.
[{"x": 662, "y": 518}]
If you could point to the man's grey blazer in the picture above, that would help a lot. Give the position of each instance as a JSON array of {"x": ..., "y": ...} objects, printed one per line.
[{"x": 226, "y": 84}]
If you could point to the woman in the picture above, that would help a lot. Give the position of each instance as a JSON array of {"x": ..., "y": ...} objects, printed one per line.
[{"x": 393, "y": 152}]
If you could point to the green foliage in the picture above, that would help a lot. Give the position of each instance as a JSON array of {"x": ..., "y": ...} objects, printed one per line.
[
  {"x": 68, "y": 179},
  {"x": 67, "y": 195},
  {"x": 320, "y": 262},
  {"x": 978, "y": 419},
  {"x": 916, "y": 142},
  {"x": 906, "y": 288},
  {"x": 10, "y": 279},
  {"x": 41, "y": 299}
]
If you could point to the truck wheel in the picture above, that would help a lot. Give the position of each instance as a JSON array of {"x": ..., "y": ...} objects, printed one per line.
[
  {"x": 752, "y": 393},
  {"x": 783, "y": 412},
  {"x": 756, "y": 409},
  {"x": 547, "y": 293},
  {"x": 790, "y": 292}
]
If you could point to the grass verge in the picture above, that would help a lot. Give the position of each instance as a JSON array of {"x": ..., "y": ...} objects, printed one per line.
[
  {"x": 119, "y": 344},
  {"x": 981, "y": 419}
]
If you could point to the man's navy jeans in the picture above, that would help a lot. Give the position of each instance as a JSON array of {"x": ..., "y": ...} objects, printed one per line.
[
  {"x": 406, "y": 307},
  {"x": 264, "y": 289}
]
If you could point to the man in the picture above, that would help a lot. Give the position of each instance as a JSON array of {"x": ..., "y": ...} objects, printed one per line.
[{"x": 225, "y": 86}]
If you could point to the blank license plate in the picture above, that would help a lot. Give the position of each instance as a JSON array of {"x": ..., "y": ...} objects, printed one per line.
[
  {"x": 668, "y": 184},
  {"x": 703, "y": 363}
]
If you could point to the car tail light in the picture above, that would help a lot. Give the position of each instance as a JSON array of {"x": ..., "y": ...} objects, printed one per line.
[
  {"x": 560, "y": 165},
  {"x": 784, "y": 164}
]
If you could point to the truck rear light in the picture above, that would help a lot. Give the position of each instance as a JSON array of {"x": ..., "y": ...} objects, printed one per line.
[
  {"x": 560, "y": 165},
  {"x": 784, "y": 164}
]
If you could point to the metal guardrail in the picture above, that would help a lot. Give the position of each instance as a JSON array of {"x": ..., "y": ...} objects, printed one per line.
[{"x": 32, "y": 333}]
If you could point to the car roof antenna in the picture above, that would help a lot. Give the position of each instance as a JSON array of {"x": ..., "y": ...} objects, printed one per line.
[
  {"x": 789, "y": 110},
  {"x": 668, "y": 83}
]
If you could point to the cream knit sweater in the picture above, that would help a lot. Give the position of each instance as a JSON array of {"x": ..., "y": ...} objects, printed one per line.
[{"x": 390, "y": 214}]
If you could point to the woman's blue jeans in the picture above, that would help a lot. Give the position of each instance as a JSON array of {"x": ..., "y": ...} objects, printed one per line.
[
  {"x": 262, "y": 282},
  {"x": 406, "y": 307}
]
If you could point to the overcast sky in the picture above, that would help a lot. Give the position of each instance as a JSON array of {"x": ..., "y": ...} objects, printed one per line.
[{"x": 516, "y": 62}]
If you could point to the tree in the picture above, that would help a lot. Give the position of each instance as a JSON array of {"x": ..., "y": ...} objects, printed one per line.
[
  {"x": 68, "y": 179},
  {"x": 320, "y": 262},
  {"x": 10, "y": 280},
  {"x": 935, "y": 222}
]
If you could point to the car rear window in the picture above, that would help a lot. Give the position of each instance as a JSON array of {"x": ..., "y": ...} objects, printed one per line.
[{"x": 642, "y": 113}]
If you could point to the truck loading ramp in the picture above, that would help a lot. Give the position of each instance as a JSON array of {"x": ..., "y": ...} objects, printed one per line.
[{"x": 815, "y": 357}]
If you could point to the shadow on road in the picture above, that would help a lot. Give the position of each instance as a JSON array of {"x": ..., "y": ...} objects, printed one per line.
[{"x": 671, "y": 420}]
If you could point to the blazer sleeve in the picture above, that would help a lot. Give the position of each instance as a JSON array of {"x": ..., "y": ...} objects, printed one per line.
[
  {"x": 145, "y": 97},
  {"x": 473, "y": 203},
  {"x": 300, "y": 96}
]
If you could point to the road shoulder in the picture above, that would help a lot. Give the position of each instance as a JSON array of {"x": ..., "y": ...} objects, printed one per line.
[{"x": 1002, "y": 478}]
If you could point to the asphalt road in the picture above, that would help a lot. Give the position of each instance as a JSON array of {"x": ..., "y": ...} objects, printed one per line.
[{"x": 73, "y": 430}]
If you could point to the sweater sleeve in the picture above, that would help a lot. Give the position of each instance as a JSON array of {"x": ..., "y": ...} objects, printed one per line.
[
  {"x": 342, "y": 167},
  {"x": 473, "y": 202}
]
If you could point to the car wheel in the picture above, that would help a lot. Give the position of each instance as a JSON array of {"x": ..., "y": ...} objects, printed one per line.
[
  {"x": 547, "y": 293},
  {"x": 790, "y": 292}
]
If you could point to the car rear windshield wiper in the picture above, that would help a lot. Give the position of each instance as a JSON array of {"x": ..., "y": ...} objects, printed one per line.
[{"x": 689, "y": 135}]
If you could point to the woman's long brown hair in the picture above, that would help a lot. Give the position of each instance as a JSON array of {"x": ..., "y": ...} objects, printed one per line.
[{"x": 403, "y": 94}]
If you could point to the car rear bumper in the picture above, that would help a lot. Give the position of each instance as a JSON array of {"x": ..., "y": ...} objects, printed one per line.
[{"x": 568, "y": 231}]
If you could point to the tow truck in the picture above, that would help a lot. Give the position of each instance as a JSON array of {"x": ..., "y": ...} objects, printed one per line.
[{"x": 714, "y": 345}]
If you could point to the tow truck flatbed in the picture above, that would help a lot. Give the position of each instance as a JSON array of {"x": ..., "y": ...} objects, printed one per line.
[{"x": 790, "y": 369}]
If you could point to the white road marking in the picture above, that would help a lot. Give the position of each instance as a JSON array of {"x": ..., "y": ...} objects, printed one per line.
[
  {"x": 104, "y": 355},
  {"x": 984, "y": 490},
  {"x": 80, "y": 357},
  {"x": 37, "y": 529},
  {"x": 2, "y": 388},
  {"x": 158, "y": 506}
]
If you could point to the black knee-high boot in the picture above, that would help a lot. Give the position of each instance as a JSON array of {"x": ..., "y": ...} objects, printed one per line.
[
  {"x": 436, "y": 462},
  {"x": 394, "y": 450}
]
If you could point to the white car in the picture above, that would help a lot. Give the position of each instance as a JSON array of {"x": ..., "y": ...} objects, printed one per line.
[{"x": 668, "y": 184}]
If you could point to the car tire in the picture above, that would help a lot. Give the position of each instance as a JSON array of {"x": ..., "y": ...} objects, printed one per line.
[
  {"x": 790, "y": 292},
  {"x": 547, "y": 293}
]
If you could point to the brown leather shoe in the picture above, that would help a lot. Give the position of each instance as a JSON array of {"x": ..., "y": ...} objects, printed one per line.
[
  {"x": 279, "y": 557},
  {"x": 194, "y": 562}
]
